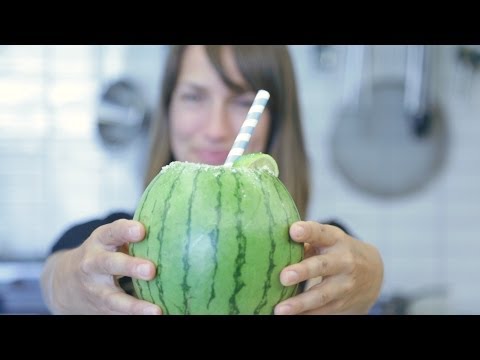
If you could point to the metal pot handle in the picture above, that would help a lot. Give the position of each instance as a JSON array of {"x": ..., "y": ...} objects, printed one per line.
[{"x": 416, "y": 102}]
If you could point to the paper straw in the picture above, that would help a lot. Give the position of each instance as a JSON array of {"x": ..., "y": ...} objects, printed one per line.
[{"x": 248, "y": 126}]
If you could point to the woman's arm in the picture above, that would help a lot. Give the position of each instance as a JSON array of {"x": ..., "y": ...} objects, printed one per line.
[
  {"x": 83, "y": 280},
  {"x": 343, "y": 275}
]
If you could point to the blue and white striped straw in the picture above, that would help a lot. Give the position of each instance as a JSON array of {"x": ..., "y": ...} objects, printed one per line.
[{"x": 248, "y": 126}]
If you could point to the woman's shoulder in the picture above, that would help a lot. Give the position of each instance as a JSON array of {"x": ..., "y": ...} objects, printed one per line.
[{"x": 78, "y": 233}]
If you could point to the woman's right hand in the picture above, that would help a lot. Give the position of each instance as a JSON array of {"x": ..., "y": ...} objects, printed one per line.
[{"x": 84, "y": 280}]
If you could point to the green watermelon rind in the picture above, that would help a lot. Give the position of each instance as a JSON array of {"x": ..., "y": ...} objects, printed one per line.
[{"x": 209, "y": 272}]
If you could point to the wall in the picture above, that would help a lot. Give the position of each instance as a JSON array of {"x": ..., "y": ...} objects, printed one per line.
[
  {"x": 55, "y": 169},
  {"x": 429, "y": 240}
]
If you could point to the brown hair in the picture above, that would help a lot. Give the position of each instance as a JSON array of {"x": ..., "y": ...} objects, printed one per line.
[{"x": 266, "y": 67}]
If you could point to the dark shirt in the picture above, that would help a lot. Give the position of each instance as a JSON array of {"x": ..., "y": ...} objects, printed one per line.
[{"x": 77, "y": 234}]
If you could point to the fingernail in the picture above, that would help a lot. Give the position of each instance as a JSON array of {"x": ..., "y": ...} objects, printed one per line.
[
  {"x": 283, "y": 309},
  {"x": 143, "y": 270},
  {"x": 134, "y": 232},
  {"x": 290, "y": 277},
  {"x": 298, "y": 231},
  {"x": 151, "y": 310}
]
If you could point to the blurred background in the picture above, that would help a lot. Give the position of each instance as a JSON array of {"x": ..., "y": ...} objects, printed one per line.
[{"x": 392, "y": 135}]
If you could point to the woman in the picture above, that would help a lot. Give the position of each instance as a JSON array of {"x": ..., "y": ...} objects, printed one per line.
[{"x": 206, "y": 94}]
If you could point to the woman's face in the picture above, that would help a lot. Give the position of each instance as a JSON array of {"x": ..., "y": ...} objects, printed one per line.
[{"x": 205, "y": 115}]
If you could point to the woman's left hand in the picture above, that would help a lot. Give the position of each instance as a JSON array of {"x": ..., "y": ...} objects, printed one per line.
[{"x": 344, "y": 275}]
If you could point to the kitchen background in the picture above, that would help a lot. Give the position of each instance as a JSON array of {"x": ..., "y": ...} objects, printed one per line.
[{"x": 392, "y": 135}]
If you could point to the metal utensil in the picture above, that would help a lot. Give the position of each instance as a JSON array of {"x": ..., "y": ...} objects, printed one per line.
[{"x": 389, "y": 141}]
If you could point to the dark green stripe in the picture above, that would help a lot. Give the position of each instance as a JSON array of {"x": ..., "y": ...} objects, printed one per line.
[
  {"x": 142, "y": 201},
  {"x": 145, "y": 195},
  {"x": 271, "y": 263},
  {"x": 148, "y": 228},
  {"x": 186, "y": 253},
  {"x": 214, "y": 237},
  {"x": 166, "y": 208},
  {"x": 280, "y": 188},
  {"x": 146, "y": 285},
  {"x": 241, "y": 243},
  {"x": 142, "y": 286}
]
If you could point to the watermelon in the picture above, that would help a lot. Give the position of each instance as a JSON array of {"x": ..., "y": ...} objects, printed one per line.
[{"x": 219, "y": 237}]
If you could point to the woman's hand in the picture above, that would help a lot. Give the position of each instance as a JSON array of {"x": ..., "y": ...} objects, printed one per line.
[
  {"x": 344, "y": 275},
  {"x": 84, "y": 280}
]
